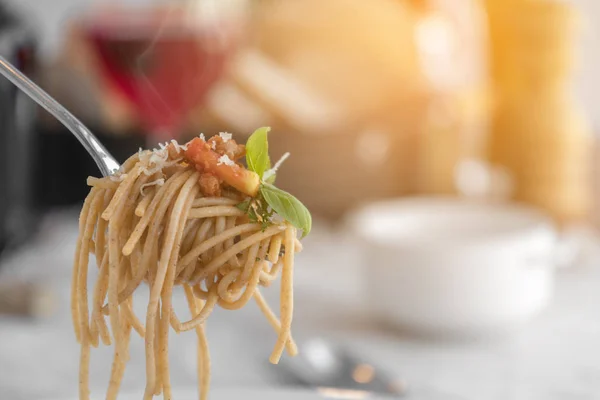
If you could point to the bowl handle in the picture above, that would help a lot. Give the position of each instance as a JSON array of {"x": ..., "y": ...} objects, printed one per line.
[{"x": 567, "y": 251}]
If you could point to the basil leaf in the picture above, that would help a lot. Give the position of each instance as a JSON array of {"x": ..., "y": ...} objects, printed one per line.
[
  {"x": 244, "y": 206},
  {"x": 257, "y": 151},
  {"x": 288, "y": 207},
  {"x": 252, "y": 215},
  {"x": 271, "y": 179},
  {"x": 264, "y": 225}
]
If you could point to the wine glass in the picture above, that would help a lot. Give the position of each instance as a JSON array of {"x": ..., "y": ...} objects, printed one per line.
[{"x": 163, "y": 58}]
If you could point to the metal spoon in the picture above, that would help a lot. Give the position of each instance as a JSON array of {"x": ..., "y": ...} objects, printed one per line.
[
  {"x": 335, "y": 372},
  {"x": 105, "y": 161}
]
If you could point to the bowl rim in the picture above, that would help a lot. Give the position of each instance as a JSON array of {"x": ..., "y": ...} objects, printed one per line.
[{"x": 533, "y": 224}]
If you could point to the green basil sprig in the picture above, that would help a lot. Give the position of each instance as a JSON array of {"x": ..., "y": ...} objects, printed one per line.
[
  {"x": 257, "y": 152},
  {"x": 287, "y": 206},
  {"x": 280, "y": 201}
]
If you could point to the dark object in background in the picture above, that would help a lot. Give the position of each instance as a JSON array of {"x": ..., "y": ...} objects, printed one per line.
[
  {"x": 17, "y": 143},
  {"x": 63, "y": 165}
]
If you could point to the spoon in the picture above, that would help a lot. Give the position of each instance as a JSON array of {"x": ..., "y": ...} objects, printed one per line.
[
  {"x": 335, "y": 372},
  {"x": 105, "y": 161}
]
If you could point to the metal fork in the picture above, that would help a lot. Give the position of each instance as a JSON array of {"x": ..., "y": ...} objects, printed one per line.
[{"x": 105, "y": 161}]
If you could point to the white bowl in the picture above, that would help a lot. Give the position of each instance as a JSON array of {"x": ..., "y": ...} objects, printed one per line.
[{"x": 442, "y": 265}]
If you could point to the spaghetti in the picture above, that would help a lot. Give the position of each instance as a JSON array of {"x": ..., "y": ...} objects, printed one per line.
[{"x": 180, "y": 216}]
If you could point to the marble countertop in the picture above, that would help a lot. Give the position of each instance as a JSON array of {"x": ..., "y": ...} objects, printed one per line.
[{"x": 555, "y": 356}]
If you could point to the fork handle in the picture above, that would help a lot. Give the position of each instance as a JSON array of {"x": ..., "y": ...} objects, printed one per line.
[{"x": 105, "y": 161}]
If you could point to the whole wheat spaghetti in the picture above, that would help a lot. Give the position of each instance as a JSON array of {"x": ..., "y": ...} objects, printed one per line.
[{"x": 190, "y": 218}]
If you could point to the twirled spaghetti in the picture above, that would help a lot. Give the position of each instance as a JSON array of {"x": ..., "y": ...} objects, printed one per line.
[{"x": 159, "y": 222}]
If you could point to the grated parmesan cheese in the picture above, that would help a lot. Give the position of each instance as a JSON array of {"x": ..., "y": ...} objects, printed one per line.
[
  {"x": 201, "y": 136},
  {"x": 226, "y": 136},
  {"x": 269, "y": 173},
  {"x": 213, "y": 145},
  {"x": 151, "y": 171},
  {"x": 277, "y": 219},
  {"x": 118, "y": 178},
  {"x": 157, "y": 159},
  {"x": 224, "y": 159},
  {"x": 158, "y": 182},
  {"x": 179, "y": 147}
]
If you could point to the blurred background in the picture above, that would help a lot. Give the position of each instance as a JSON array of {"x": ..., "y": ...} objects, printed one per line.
[
  {"x": 407, "y": 91},
  {"x": 486, "y": 101}
]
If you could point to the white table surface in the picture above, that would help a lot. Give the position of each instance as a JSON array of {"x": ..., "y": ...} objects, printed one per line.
[{"x": 555, "y": 356}]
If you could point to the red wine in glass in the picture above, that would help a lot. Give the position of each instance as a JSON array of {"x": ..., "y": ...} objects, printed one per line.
[{"x": 163, "y": 69}]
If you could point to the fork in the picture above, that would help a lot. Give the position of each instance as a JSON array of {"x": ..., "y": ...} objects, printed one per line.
[{"x": 104, "y": 160}]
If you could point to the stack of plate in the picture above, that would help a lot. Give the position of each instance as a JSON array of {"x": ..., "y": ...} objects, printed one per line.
[{"x": 538, "y": 132}]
